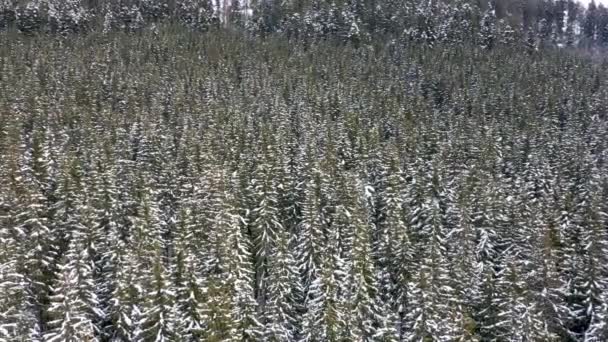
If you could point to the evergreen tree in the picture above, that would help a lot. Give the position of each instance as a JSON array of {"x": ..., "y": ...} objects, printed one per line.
[
  {"x": 487, "y": 31},
  {"x": 590, "y": 23},
  {"x": 158, "y": 317},
  {"x": 74, "y": 304}
]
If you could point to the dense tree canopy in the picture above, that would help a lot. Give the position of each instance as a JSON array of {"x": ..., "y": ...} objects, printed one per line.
[
  {"x": 537, "y": 22},
  {"x": 302, "y": 171}
]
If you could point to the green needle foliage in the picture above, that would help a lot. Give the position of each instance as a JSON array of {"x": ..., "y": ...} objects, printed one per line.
[{"x": 303, "y": 171}]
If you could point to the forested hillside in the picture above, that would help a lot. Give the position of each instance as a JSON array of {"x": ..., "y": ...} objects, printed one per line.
[
  {"x": 225, "y": 179},
  {"x": 537, "y": 23}
]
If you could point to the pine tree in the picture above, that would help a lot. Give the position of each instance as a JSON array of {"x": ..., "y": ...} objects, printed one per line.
[
  {"x": 595, "y": 240},
  {"x": 265, "y": 224},
  {"x": 430, "y": 290},
  {"x": 187, "y": 281},
  {"x": 235, "y": 14},
  {"x": 280, "y": 310},
  {"x": 590, "y": 22},
  {"x": 353, "y": 270},
  {"x": 141, "y": 305},
  {"x": 517, "y": 320},
  {"x": 74, "y": 304},
  {"x": 35, "y": 265},
  {"x": 106, "y": 234},
  {"x": 158, "y": 317},
  {"x": 18, "y": 310},
  {"x": 392, "y": 248},
  {"x": 487, "y": 32},
  {"x": 230, "y": 294},
  {"x": 312, "y": 253},
  {"x": 126, "y": 304}
]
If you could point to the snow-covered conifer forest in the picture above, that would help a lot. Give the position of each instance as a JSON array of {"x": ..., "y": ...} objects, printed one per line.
[{"x": 361, "y": 170}]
